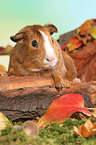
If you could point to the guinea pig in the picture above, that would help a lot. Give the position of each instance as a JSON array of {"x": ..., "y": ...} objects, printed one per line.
[{"x": 37, "y": 53}]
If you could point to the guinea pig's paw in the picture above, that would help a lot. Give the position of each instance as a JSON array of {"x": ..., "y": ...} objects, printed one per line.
[
  {"x": 76, "y": 80},
  {"x": 59, "y": 84}
]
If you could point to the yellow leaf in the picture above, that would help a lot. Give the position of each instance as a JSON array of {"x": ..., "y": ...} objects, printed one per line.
[
  {"x": 3, "y": 121},
  {"x": 86, "y": 130},
  {"x": 88, "y": 125},
  {"x": 2, "y": 68}
]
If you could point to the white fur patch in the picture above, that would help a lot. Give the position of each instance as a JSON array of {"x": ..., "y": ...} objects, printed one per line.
[
  {"x": 49, "y": 51},
  {"x": 35, "y": 70}
]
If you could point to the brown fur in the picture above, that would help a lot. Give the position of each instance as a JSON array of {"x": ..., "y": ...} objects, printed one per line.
[{"x": 25, "y": 57}]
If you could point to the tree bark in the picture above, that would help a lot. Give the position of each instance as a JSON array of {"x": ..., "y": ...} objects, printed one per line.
[
  {"x": 29, "y": 97},
  {"x": 84, "y": 56}
]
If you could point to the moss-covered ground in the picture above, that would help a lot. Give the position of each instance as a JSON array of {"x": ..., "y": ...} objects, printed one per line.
[{"x": 54, "y": 134}]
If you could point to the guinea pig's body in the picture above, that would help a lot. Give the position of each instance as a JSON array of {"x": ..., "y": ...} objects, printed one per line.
[{"x": 36, "y": 52}]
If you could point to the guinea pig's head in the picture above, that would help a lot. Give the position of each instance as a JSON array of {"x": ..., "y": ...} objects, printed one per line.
[{"x": 36, "y": 46}]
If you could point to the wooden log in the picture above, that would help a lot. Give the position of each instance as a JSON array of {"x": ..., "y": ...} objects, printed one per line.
[{"x": 29, "y": 97}]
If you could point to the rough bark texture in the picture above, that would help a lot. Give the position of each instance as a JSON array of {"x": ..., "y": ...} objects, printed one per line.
[
  {"x": 85, "y": 60},
  {"x": 25, "y": 97},
  {"x": 66, "y": 37}
]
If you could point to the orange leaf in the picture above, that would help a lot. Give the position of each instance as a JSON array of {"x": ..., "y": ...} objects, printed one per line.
[
  {"x": 83, "y": 131},
  {"x": 73, "y": 44},
  {"x": 2, "y": 68},
  {"x": 86, "y": 130},
  {"x": 85, "y": 26},
  {"x": 62, "y": 108}
]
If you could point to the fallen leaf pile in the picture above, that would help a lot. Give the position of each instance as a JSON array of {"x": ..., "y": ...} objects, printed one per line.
[
  {"x": 62, "y": 108},
  {"x": 86, "y": 32},
  {"x": 86, "y": 130}
]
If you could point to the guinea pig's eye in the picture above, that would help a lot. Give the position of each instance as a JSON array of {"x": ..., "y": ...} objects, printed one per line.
[
  {"x": 34, "y": 43},
  {"x": 52, "y": 41}
]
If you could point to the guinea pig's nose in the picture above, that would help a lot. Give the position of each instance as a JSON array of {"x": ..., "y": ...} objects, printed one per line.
[{"x": 50, "y": 58}]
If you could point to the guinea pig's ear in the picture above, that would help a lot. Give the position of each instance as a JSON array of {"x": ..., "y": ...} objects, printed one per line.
[
  {"x": 52, "y": 29},
  {"x": 17, "y": 37}
]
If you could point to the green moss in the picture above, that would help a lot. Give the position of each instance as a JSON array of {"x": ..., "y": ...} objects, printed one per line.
[{"x": 53, "y": 134}]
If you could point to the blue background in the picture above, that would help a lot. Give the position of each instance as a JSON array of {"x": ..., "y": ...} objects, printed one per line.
[{"x": 65, "y": 14}]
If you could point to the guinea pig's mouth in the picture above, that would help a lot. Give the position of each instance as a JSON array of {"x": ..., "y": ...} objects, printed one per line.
[
  {"x": 50, "y": 64},
  {"x": 49, "y": 67}
]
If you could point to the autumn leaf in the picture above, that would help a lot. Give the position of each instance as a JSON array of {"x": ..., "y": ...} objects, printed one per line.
[
  {"x": 3, "y": 71},
  {"x": 8, "y": 49},
  {"x": 92, "y": 32},
  {"x": 64, "y": 45},
  {"x": 2, "y": 50},
  {"x": 85, "y": 26},
  {"x": 2, "y": 68},
  {"x": 62, "y": 108},
  {"x": 86, "y": 130},
  {"x": 73, "y": 44},
  {"x": 4, "y": 122}
]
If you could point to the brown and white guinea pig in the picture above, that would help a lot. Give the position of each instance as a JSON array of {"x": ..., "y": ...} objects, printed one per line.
[{"x": 37, "y": 53}]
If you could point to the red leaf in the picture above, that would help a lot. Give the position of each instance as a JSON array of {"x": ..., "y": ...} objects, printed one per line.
[
  {"x": 73, "y": 44},
  {"x": 64, "y": 45},
  {"x": 62, "y": 108},
  {"x": 2, "y": 50}
]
